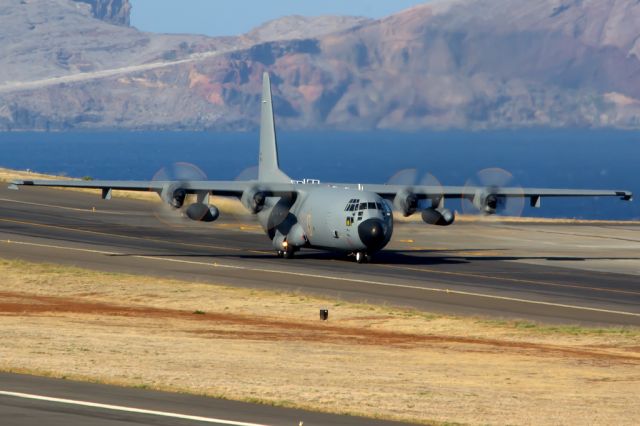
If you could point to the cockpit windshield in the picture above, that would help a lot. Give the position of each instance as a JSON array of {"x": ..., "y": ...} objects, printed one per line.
[{"x": 355, "y": 204}]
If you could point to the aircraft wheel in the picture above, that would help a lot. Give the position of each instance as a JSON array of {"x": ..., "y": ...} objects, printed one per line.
[
  {"x": 368, "y": 258},
  {"x": 360, "y": 257},
  {"x": 280, "y": 253},
  {"x": 288, "y": 254}
]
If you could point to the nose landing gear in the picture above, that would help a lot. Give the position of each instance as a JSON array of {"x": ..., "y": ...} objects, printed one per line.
[{"x": 363, "y": 257}]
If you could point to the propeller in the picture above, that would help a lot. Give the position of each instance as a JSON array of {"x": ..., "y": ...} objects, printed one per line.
[
  {"x": 279, "y": 213},
  {"x": 406, "y": 200},
  {"x": 436, "y": 191},
  {"x": 273, "y": 211},
  {"x": 237, "y": 215},
  {"x": 256, "y": 201},
  {"x": 486, "y": 185},
  {"x": 173, "y": 209},
  {"x": 404, "y": 177}
]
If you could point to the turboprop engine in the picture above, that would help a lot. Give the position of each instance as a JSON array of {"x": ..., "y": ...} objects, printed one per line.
[
  {"x": 406, "y": 202},
  {"x": 173, "y": 195},
  {"x": 253, "y": 199},
  {"x": 488, "y": 203},
  {"x": 202, "y": 212},
  {"x": 440, "y": 217}
]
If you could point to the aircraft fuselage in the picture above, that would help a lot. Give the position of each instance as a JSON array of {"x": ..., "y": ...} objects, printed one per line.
[{"x": 329, "y": 218}]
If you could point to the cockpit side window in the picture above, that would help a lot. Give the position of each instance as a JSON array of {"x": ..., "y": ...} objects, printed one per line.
[
  {"x": 363, "y": 206},
  {"x": 372, "y": 206},
  {"x": 352, "y": 205}
]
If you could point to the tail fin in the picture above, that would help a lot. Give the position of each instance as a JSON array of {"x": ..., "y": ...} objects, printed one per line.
[{"x": 268, "y": 169}]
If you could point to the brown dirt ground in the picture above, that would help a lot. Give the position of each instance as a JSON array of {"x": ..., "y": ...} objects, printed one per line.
[
  {"x": 265, "y": 328},
  {"x": 271, "y": 347}
]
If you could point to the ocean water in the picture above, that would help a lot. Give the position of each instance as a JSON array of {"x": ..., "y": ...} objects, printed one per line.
[{"x": 540, "y": 158}]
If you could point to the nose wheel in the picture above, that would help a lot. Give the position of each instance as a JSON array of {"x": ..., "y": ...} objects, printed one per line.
[{"x": 362, "y": 257}]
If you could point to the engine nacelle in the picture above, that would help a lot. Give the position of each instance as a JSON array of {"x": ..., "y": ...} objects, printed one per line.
[
  {"x": 406, "y": 202},
  {"x": 253, "y": 199},
  {"x": 174, "y": 196},
  {"x": 488, "y": 203},
  {"x": 202, "y": 212},
  {"x": 440, "y": 217}
]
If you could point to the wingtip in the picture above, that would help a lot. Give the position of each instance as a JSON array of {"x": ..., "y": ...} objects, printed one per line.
[{"x": 625, "y": 195}]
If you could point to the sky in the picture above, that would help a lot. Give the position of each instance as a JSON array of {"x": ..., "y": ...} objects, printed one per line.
[{"x": 218, "y": 17}]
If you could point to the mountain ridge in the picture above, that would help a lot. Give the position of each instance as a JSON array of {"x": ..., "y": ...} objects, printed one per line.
[
  {"x": 114, "y": 11},
  {"x": 450, "y": 64}
]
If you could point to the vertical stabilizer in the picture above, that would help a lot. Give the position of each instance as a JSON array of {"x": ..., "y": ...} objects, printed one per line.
[{"x": 268, "y": 169}]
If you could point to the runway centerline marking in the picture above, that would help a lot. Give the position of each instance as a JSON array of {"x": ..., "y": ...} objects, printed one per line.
[
  {"x": 127, "y": 409},
  {"x": 336, "y": 278}
]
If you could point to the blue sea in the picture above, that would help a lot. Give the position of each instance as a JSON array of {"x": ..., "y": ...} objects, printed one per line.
[{"x": 538, "y": 158}]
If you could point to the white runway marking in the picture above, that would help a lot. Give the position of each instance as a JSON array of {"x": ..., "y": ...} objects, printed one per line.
[
  {"x": 337, "y": 278},
  {"x": 127, "y": 409}
]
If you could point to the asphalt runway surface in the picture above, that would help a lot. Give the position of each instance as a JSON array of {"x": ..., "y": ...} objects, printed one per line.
[
  {"x": 551, "y": 273},
  {"x": 29, "y": 400},
  {"x": 557, "y": 273}
]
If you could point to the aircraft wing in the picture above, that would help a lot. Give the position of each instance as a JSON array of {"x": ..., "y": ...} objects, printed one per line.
[
  {"x": 215, "y": 187},
  {"x": 469, "y": 192}
]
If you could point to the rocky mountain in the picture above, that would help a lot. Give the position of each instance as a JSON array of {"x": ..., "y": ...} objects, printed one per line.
[
  {"x": 470, "y": 64},
  {"x": 302, "y": 27},
  {"x": 113, "y": 11}
]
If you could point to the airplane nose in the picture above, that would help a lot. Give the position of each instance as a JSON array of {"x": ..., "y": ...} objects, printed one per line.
[{"x": 371, "y": 233}]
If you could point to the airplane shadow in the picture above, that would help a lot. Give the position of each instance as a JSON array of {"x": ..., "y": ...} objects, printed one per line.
[
  {"x": 442, "y": 256},
  {"x": 388, "y": 257}
]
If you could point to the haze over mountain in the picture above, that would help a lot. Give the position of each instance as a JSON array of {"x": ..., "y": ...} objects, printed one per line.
[{"x": 464, "y": 64}]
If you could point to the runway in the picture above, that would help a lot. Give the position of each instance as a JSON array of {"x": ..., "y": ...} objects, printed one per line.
[
  {"x": 551, "y": 273},
  {"x": 29, "y": 400}
]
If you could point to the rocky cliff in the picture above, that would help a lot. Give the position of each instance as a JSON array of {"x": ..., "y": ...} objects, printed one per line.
[
  {"x": 113, "y": 11},
  {"x": 470, "y": 64}
]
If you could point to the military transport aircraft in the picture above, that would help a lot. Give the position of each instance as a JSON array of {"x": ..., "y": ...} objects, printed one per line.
[{"x": 352, "y": 218}]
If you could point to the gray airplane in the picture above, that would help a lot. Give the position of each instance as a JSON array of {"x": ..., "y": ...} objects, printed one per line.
[{"x": 352, "y": 218}]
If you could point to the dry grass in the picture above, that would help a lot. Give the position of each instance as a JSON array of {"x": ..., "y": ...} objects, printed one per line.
[{"x": 271, "y": 347}]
